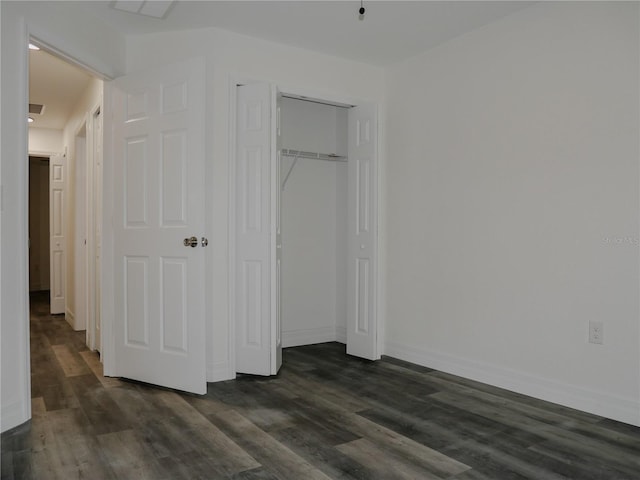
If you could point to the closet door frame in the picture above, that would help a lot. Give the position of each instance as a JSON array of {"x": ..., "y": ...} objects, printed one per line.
[{"x": 309, "y": 94}]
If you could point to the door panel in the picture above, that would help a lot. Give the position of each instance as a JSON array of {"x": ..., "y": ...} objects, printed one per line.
[
  {"x": 362, "y": 248},
  {"x": 255, "y": 345},
  {"x": 58, "y": 173},
  {"x": 159, "y": 326}
]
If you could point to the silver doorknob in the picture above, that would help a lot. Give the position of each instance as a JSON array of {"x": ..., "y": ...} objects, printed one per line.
[
  {"x": 205, "y": 241},
  {"x": 191, "y": 242}
]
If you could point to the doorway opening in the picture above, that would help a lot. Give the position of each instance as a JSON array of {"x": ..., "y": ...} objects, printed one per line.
[
  {"x": 303, "y": 211},
  {"x": 65, "y": 132}
]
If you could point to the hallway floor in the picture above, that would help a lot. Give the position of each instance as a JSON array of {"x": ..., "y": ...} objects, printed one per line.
[{"x": 326, "y": 415}]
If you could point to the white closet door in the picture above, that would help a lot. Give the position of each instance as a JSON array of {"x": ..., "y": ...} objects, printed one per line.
[
  {"x": 362, "y": 248},
  {"x": 255, "y": 280}
]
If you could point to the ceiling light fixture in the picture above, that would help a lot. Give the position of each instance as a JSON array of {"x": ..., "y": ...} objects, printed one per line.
[
  {"x": 33, "y": 47},
  {"x": 361, "y": 11},
  {"x": 30, "y": 119}
]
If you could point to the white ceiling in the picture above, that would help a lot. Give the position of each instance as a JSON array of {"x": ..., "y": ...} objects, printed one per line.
[{"x": 390, "y": 31}]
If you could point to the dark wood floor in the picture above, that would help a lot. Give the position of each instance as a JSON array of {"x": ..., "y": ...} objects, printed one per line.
[{"x": 326, "y": 415}]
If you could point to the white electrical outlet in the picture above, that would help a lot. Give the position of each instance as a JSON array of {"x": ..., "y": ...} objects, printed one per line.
[{"x": 596, "y": 333}]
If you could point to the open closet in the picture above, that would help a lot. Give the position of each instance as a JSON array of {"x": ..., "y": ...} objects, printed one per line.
[
  {"x": 304, "y": 226},
  {"x": 313, "y": 209}
]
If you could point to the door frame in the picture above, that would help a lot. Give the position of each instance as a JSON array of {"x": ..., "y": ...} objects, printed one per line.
[
  {"x": 91, "y": 224},
  {"x": 80, "y": 195},
  {"x": 305, "y": 93},
  {"x": 52, "y": 44}
]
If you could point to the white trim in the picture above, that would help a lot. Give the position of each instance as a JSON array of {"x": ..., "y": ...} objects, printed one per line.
[
  {"x": 21, "y": 411},
  {"x": 66, "y": 51},
  {"x": 89, "y": 229},
  {"x": 36, "y": 153},
  {"x": 24, "y": 172},
  {"x": 638, "y": 393},
  {"x": 107, "y": 307},
  {"x": 325, "y": 96},
  {"x": 70, "y": 317},
  {"x": 273, "y": 234},
  {"x": 381, "y": 239},
  {"x": 308, "y": 336},
  {"x": 596, "y": 402},
  {"x": 90, "y": 225},
  {"x": 231, "y": 223}
]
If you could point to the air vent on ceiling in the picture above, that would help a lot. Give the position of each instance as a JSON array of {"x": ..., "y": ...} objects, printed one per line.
[
  {"x": 155, "y": 8},
  {"x": 36, "y": 108}
]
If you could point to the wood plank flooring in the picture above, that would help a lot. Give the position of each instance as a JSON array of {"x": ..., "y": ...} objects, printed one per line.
[{"x": 325, "y": 416}]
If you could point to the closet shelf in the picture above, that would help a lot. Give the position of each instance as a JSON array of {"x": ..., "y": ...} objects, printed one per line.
[{"x": 330, "y": 157}]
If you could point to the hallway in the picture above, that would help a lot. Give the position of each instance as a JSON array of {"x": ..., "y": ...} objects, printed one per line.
[{"x": 326, "y": 415}]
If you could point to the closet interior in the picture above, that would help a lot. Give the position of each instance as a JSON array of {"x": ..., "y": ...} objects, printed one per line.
[{"x": 313, "y": 182}]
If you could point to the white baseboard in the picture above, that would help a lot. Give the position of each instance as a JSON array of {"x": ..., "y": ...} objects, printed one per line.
[
  {"x": 625, "y": 410},
  {"x": 308, "y": 336},
  {"x": 341, "y": 334},
  {"x": 219, "y": 372},
  {"x": 70, "y": 318},
  {"x": 14, "y": 414}
]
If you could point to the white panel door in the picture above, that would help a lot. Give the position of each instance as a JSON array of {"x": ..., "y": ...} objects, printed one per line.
[
  {"x": 254, "y": 236},
  {"x": 57, "y": 179},
  {"x": 159, "y": 325},
  {"x": 362, "y": 248}
]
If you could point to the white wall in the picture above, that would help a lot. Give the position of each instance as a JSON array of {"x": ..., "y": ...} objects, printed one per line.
[
  {"x": 104, "y": 50},
  {"x": 228, "y": 55},
  {"x": 512, "y": 195},
  {"x": 309, "y": 252},
  {"x": 45, "y": 140}
]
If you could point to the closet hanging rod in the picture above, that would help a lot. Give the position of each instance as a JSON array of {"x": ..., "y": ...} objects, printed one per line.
[{"x": 329, "y": 157}]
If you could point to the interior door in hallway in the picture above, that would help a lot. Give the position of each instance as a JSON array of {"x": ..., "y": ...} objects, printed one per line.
[
  {"x": 159, "y": 271},
  {"x": 57, "y": 179}
]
